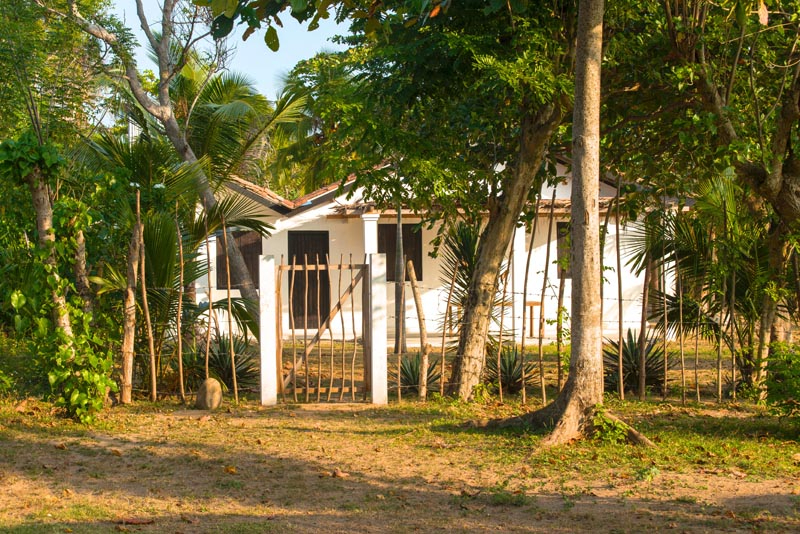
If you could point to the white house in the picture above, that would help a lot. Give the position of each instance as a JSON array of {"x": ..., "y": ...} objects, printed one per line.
[{"x": 340, "y": 226}]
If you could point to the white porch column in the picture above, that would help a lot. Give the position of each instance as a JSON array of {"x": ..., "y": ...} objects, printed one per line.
[
  {"x": 377, "y": 317},
  {"x": 267, "y": 326},
  {"x": 370, "y": 219}
]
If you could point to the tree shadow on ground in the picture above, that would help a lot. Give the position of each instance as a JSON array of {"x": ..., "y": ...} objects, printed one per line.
[{"x": 295, "y": 471}]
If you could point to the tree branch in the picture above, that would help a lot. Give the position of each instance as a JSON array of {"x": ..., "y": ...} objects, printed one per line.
[{"x": 129, "y": 64}]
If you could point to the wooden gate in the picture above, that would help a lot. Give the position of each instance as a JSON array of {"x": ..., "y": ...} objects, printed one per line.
[
  {"x": 322, "y": 353},
  {"x": 344, "y": 359}
]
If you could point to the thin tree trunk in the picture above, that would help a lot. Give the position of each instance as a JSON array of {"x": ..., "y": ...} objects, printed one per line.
[
  {"x": 540, "y": 348},
  {"x": 399, "y": 289},
  {"x": 146, "y": 307},
  {"x": 444, "y": 328},
  {"x": 81, "y": 273},
  {"x": 209, "y": 290},
  {"x": 643, "y": 329},
  {"x": 720, "y": 324},
  {"x": 230, "y": 313},
  {"x": 525, "y": 294},
  {"x": 129, "y": 313},
  {"x": 425, "y": 347},
  {"x": 697, "y": 356},
  {"x": 679, "y": 280},
  {"x": 178, "y": 325},
  {"x": 732, "y": 308},
  {"x": 500, "y": 335},
  {"x": 560, "y": 330},
  {"x": 620, "y": 334},
  {"x": 664, "y": 389}
]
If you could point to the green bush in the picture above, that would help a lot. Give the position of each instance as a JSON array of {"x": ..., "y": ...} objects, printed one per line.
[
  {"x": 783, "y": 380},
  {"x": 654, "y": 364}
]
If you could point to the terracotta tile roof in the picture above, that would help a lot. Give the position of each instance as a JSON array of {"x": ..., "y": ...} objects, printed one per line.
[{"x": 272, "y": 200}]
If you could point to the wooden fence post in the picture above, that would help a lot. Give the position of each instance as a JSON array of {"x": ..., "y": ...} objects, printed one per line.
[{"x": 268, "y": 330}]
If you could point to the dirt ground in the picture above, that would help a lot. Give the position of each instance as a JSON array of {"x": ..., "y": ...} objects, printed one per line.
[{"x": 348, "y": 468}]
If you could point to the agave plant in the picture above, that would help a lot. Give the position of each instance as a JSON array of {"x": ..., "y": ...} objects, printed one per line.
[
  {"x": 510, "y": 369},
  {"x": 654, "y": 363},
  {"x": 219, "y": 362},
  {"x": 410, "y": 367}
]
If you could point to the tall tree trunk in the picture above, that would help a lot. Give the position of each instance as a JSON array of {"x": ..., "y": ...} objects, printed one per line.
[
  {"x": 230, "y": 315},
  {"x": 536, "y": 132},
  {"x": 425, "y": 347},
  {"x": 81, "y": 277},
  {"x": 146, "y": 307},
  {"x": 573, "y": 408},
  {"x": 777, "y": 257},
  {"x": 43, "y": 208},
  {"x": 178, "y": 325},
  {"x": 129, "y": 314}
]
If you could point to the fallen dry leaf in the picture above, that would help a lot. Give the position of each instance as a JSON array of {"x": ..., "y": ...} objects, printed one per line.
[
  {"x": 737, "y": 473},
  {"x": 67, "y": 492},
  {"x": 61, "y": 446},
  {"x": 116, "y": 452},
  {"x": 338, "y": 473},
  {"x": 204, "y": 418},
  {"x": 230, "y": 469}
]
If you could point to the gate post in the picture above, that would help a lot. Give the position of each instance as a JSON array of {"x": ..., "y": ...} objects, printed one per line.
[
  {"x": 377, "y": 313},
  {"x": 268, "y": 341}
]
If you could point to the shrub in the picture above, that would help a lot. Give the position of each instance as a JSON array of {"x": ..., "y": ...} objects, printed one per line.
[
  {"x": 510, "y": 368},
  {"x": 410, "y": 367},
  {"x": 219, "y": 362},
  {"x": 783, "y": 380},
  {"x": 654, "y": 364}
]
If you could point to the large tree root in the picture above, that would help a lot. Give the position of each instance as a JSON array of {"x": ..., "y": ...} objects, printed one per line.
[{"x": 569, "y": 423}]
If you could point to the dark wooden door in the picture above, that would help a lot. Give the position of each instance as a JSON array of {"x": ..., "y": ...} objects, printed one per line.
[{"x": 309, "y": 248}]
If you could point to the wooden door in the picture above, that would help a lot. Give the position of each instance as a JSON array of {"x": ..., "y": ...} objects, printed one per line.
[{"x": 309, "y": 248}]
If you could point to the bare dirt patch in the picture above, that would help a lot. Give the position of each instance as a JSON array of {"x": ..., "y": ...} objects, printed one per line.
[{"x": 354, "y": 468}]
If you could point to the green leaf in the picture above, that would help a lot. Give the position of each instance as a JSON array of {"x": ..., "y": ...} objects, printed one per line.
[
  {"x": 221, "y": 27},
  {"x": 17, "y": 300},
  {"x": 224, "y": 7},
  {"x": 298, "y": 6},
  {"x": 271, "y": 38}
]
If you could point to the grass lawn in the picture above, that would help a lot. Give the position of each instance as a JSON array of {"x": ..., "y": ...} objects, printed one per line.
[{"x": 402, "y": 468}]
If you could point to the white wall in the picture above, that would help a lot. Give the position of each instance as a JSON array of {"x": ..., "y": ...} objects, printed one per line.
[{"x": 347, "y": 238}]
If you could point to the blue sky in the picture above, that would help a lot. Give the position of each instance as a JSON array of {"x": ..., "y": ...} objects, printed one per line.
[{"x": 252, "y": 57}]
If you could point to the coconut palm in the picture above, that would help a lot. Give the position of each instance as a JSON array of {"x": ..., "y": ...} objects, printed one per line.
[{"x": 719, "y": 251}]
